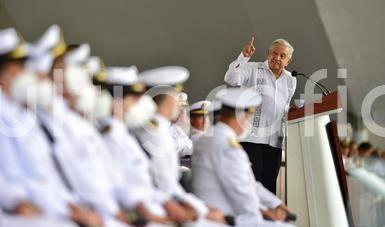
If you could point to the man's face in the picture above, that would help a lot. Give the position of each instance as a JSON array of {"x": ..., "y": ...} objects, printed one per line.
[
  {"x": 365, "y": 152},
  {"x": 172, "y": 106},
  {"x": 9, "y": 73},
  {"x": 278, "y": 57},
  {"x": 353, "y": 150},
  {"x": 198, "y": 121},
  {"x": 345, "y": 151},
  {"x": 57, "y": 76}
]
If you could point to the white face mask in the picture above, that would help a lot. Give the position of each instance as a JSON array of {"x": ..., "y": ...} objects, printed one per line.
[
  {"x": 184, "y": 120},
  {"x": 85, "y": 103},
  {"x": 103, "y": 105},
  {"x": 76, "y": 79},
  {"x": 23, "y": 88},
  {"x": 140, "y": 113},
  {"x": 207, "y": 123},
  {"x": 246, "y": 126},
  {"x": 45, "y": 93}
]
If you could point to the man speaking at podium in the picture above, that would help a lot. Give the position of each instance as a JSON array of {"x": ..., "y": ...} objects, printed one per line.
[{"x": 276, "y": 85}]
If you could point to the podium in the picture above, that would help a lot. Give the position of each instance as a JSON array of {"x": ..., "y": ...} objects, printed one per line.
[{"x": 312, "y": 183}]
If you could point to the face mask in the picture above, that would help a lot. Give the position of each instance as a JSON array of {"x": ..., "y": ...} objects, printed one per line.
[
  {"x": 246, "y": 126},
  {"x": 44, "y": 94},
  {"x": 103, "y": 105},
  {"x": 184, "y": 121},
  {"x": 23, "y": 88},
  {"x": 85, "y": 103},
  {"x": 76, "y": 79},
  {"x": 140, "y": 113},
  {"x": 207, "y": 123}
]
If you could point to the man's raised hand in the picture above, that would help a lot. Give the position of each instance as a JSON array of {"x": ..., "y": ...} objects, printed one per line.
[{"x": 249, "y": 49}]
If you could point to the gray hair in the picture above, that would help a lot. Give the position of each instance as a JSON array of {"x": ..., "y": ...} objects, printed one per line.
[{"x": 283, "y": 43}]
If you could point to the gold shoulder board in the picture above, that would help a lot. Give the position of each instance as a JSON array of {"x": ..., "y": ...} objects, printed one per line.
[
  {"x": 234, "y": 143},
  {"x": 153, "y": 124}
]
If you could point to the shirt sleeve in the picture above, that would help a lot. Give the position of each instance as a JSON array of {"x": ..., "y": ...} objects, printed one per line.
[
  {"x": 14, "y": 164},
  {"x": 197, "y": 204},
  {"x": 92, "y": 182},
  {"x": 294, "y": 86},
  {"x": 237, "y": 181},
  {"x": 10, "y": 195},
  {"x": 183, "y": 144},
  {"x": 239, "y": 71},
  {"x": 163, "y": 170},
  {"x": 268, "y": 199},
  {"x": 292, "y": 91}
]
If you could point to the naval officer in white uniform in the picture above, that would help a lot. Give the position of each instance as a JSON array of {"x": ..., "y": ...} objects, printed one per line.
[
  {"x": 222, "y": 176},
  {"x": 26, "y": 157},
  {"x": 159, "y": 143},
  {"x": 199, "y": 119}
]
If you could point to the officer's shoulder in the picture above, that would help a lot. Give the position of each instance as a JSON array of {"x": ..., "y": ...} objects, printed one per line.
[
  {"x": 152, "y": 124},
  {"x": 104, "y": 130},
  {"x": 233, "y": 143}
]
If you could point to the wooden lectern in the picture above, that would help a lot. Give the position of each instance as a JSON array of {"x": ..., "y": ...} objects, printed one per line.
[{"x": 312, "y": 179}]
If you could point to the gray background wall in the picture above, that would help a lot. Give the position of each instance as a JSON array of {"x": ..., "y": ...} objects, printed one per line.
[{"x": 205, "y": 36}]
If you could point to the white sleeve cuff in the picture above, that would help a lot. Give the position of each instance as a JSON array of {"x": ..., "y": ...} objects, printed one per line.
[
  {"x": 262, "y": 207},
  {"x": 13, "y": 197},
  {"x": 197, "y": 204},
  {"x": 242, "y": 59},
  {"x": 161, "y": 197}
]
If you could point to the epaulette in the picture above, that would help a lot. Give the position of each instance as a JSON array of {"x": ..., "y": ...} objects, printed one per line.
[
  {"x": 104, "y": 130},
  {"x": 234, "y": 143},
  {"x": 153, "y": 124}
]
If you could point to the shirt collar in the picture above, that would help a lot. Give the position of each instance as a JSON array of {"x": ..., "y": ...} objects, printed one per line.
[
  {"x": 162, "y": 120},
  {"x": 223, "y": 128},
  {"x": 195, "y": 130}
]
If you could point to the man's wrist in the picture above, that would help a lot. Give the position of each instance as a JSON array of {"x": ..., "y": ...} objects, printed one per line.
[{"x": 242, "y": 58}]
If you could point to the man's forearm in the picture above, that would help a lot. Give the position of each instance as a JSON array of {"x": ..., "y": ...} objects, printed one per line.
[{"x": 236, "y": 75}]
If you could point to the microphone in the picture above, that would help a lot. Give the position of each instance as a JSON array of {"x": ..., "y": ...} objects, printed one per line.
[
  {"x": 291, "y": 217},
  {"x": 324, "y": 90},
  {"x": 230, "y": 220}
]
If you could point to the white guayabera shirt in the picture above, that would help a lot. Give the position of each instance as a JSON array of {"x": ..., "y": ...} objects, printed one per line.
[{"x": 276, "y": 95}]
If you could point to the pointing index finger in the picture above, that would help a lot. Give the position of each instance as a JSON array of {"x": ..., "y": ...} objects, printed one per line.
[{"x": 252, "y": 40}]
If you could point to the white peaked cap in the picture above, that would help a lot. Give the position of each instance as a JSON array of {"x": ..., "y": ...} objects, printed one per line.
[
  {"x": 79, "y": 55},
  {"x": 200, "y": 107},
  {"x": 12, "y": 44},
  {"x": 122, "y": 75},
  {"x": 239, "y": 98},
  {"x": 167, "y": 75}
]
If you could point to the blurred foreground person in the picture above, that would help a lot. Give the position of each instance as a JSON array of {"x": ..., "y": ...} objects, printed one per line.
[
  {"x": 222, "y": 176},
  {"x": 158, "y": 142},
  {"x": 27, "y": 158},
  {"x": 131, "y": 109}
]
